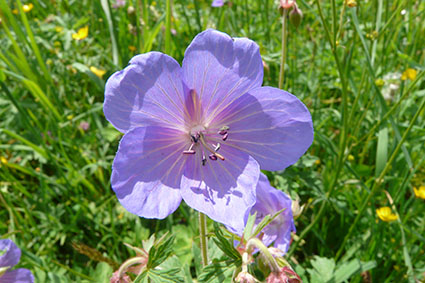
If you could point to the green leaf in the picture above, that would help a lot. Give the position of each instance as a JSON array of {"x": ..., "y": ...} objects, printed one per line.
[
  {"x": 197, "y": 259},
  {"x": 160, "y": 251},
  {"x": 183, "y": 245},
  {"x": 323, "y": 269},
  {"x": 218, "y": 272},
  {"x": 247, "y": 232},
  {"x": 86, "y": 70},
  {"x": 224, "y": 244},
  {"x": 381, "y": 151},
  {"x": 348, "y": 269},
  {"x": 152, "y": 35},
  {"x": 102, "y": 273},
  {"x": 166, "y": 276},
  {"x": 142, "y": 277},
  {"x": 266, "y": 221},
  {"x": 2, "y": 76},
  {"x": 106, "y": 10}
]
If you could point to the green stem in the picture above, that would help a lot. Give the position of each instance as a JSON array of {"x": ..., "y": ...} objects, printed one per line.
[
  {"x": 343, "y": 136},
  {"x": 283, "y": 51},
  {"x": 255, "y": 242},
  {"x": 168, "y": 27},
  {"x": 379, "y": 181},
  {"x": 392, "y": 109},
  {"x": 203, "y": 237}
]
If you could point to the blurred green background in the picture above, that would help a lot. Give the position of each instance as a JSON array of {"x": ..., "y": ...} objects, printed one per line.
[{"x": 358, "y": 69}]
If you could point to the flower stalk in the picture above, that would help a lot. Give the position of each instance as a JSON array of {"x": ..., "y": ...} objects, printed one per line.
[
  {"x": 203, "y": 238},
  {"x": 283, "y": 51},
  {"x": 255, "y": 242}
]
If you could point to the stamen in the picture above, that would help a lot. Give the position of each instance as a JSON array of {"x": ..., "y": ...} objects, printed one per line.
[
  {"x": 225, "y": 136},
  {"x": 217, "y": 147},
  {"x": 223, "y": 130},
  {"x": 204, "y": 159},
  {"x": 190, "y": 150},
  {"x": 212, "y": 157},
  {"x": 201, "y": 138},
  {"x": 195, "y": 138}
]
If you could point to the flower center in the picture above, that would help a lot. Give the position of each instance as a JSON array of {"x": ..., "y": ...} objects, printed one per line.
[{"x": 199, "y": 140}]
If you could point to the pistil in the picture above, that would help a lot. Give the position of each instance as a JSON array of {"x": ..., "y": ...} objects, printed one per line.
[{"x": 201, "y": 139}]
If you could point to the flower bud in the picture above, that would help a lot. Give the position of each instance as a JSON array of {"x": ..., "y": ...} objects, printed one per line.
[
  {"x": 296, "y": 16},
  {"x": 351, "y": 3},
  {"x": 286, "y": 274},
  {"x": 130, "y": 10},
  {"x": 296, "y": 208},
  {"x": 245, "y": 277},
  {"x": 84, "y": 126},
  {"x": 117, "y": 279},
  {"x": 286, "y": 4}
]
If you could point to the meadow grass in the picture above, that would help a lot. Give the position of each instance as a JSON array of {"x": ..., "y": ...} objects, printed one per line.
[{"x": 345, "y": 63}]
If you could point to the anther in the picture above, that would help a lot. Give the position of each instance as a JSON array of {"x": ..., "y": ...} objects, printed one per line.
[
  {"x": 217, "y": 147},
  {"x": 212, "y": 157},
  {"x": 204, "y": 160},
  {"x": 195, "y": 138},
  {"x": 225, "y": 136},
  {"x": 190, "y": 150},
  {"x": 223, "y": 130}
]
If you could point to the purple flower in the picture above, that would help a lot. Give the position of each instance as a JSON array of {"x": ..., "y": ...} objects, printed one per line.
[
  {"x": 217, "y": 3},
  {"x": 84, "y": 125},
  {"x": 118, "y": 4},
  {"x": 9, "y": 257},
  {"x": 202, "y": 131},
  {"x": 270, "y": 201}
]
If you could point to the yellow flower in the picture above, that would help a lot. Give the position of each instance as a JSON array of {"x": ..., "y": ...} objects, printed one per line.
[
  {"x": 379, "y": 82},
  {"x": 58, "y": 29},
  {"x": 350, "y": 157},
  {"x": 3, "y": 160},
  {"x": 351, "y": 3},
  {"x": 419, "y": 193},
  {"x": 132, "y": 48},
  {"x": 27, "y": 7},
  {"x": 385, "y": 214},
  {"x": 97, "y": 72},
  {"x": 15, "y": 11},
  {"x": 81, "y": 33},
  {"x": 409, "y": 74}
]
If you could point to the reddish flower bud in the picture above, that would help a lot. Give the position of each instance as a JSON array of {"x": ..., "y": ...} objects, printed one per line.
[
  {"x": 286, "y": 275},
  {"x": 286, "y": 4},
  {"x": 245, "y": 277}
]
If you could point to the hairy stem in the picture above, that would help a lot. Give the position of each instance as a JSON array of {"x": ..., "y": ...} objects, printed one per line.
[
  {"x": 203, "y": 237},
  {"x": 283, "y": 53}
]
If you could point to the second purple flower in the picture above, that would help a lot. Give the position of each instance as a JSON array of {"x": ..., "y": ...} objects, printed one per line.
[{"x": 201, "y": 131}]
